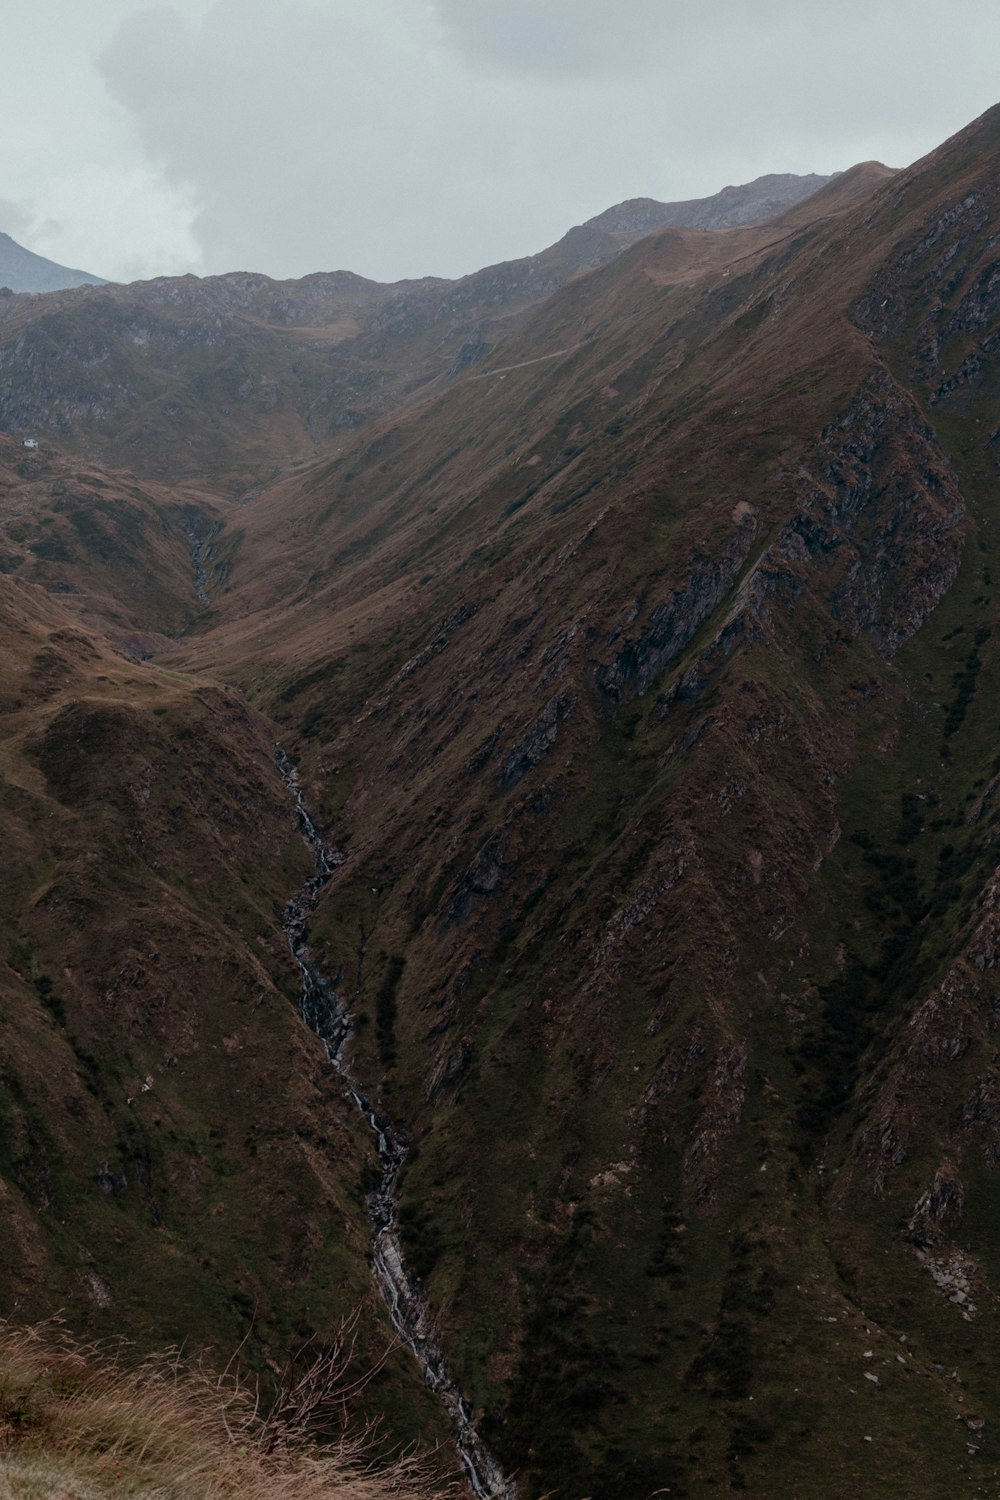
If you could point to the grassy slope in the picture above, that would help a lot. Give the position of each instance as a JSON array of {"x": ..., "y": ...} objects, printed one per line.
[
  {"x": 76, "y": 1421},
  {"x": 621, "y": 676},
  {"x": 177, "y": 1159},
  {"x": 591, "y": 915},
  {"x": 119, "y": 552}
]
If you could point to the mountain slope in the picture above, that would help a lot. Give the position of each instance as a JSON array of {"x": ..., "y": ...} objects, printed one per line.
[
  {"x": 643, "y": 670},
  {"x": 229, "y": 379},
  {"x": 133, "y": 562},
  {"x": 606, "y": 666},
  {"x": 22, "y": 270},
  {"x": 177, "y": 1162}
]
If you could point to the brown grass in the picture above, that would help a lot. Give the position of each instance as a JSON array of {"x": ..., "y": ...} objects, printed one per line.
[{"x": 82, "y": 1424}]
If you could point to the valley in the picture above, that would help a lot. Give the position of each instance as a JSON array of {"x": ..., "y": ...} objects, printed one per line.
[
  {"x": 324, "y": 1011},
  {"x": 627, "y": 625}
]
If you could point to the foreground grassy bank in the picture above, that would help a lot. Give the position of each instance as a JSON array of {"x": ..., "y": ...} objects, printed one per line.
[{"x": 82, "y": 1423}]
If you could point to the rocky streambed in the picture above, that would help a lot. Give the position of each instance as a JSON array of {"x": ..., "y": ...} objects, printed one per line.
[{"x": 323, "y": 1011}]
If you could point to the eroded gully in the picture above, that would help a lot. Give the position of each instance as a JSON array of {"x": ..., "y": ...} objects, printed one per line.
[{"x": 324, "y": 1012}]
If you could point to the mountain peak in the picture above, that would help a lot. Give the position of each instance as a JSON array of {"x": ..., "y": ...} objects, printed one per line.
[
  {"x": 23, "y": 271},
  {"x": 732, "y": 207}
]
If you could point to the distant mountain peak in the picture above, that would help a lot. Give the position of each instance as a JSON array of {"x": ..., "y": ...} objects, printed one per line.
[
  {"x": 731, "y": 208},
  {"x": 23, "y": 271}
]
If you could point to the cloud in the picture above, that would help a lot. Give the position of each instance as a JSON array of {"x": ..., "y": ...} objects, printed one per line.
[
  {"x": 87, "y": 211},
  {"x": 135, "y": 226},
  {"x": 592, "y": 38},
  {"x": 307, "y": 136},
  {"x": 414, "y": 137},
  {"x": 76, "y": 185},
  {"x": 316, "y": 139},
  {"x": 586, "y": 37},
  {"x": 16, "y": 219}
]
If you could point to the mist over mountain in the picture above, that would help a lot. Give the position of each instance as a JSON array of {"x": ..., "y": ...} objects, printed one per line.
[
  {"x": 500, "y": 791},
  {"x": 23, "y": 271}
]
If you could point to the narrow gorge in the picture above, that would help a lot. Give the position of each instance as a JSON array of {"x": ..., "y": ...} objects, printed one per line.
[{"x": 324, "y": 1013}]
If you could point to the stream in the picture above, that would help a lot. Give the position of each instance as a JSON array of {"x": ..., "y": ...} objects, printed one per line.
[
  {"x": 324, "y": 1012},
  {"x": 200, "y": 543}
]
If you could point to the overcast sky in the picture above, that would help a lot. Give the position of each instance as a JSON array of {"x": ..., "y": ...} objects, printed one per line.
[{"x": 411, "y": 137}]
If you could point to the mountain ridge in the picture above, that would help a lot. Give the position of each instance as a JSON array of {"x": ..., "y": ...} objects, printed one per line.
[
  {"x": 732, "y": 207},
  {"x": 288, "y": 369}
]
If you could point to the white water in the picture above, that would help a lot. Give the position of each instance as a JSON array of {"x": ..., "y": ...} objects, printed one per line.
[{"x": 324, "y": 1012}]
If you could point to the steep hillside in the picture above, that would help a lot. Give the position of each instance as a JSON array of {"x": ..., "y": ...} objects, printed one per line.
[
  {"x": 135, "y": 562},
  {"x": 22, "y": 270},
  {"x": 177, "y": 1162},
  {"x": 640, "y": 668},
  {"x": 618, "y": 671}
]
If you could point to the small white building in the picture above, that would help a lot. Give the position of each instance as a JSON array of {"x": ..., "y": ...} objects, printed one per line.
[{"x": 29, "y": 442}]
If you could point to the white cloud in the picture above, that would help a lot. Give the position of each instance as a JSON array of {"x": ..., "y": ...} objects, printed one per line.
[
  {"x": 332, "y": 134},
  {"x": 74, "y": 183},
  {"x": 16, "y": 218},
  {"x": 135, "y": 227},
  {"x": 407, "y": 137},
  {"x": 322, "y": 140}
]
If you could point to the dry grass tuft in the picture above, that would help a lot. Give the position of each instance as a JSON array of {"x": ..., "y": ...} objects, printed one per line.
[{"x": 79, "y": 1424}]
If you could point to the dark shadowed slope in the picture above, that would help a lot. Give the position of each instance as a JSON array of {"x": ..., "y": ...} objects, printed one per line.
[{"x": 178, "y": 1163}]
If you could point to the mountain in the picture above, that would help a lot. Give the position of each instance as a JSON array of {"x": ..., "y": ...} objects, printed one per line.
[
  {"x": 640, "y": 674},
  {"x": 177, "y": 1162},
  {"x": 733, "y": 207},
  {"x": 23, "y": 271},
  {"x": 232, "y": 377},
  {"x": 611, "y": 663}
]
